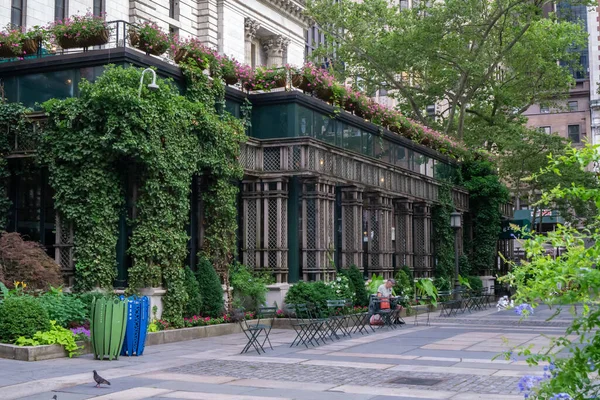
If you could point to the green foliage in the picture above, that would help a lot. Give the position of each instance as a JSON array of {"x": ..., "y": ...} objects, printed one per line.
[
  {"x": 464, "y": 265},
  {"x": 442, "y": 284},
  {"x": 453, "y": 61},
  {"x": 63, "y": 308},
  {"x": 567, "y": 283},
  {"x": 475, "y": 283},
  {"x": 88, "y": 297},
  {"x": 404, "y": 284},
  {"x": 313, "y": 293},
  {"x": 211, "y": 291},
  {"x": 358, "y": 283},
  {"x": 55, "y": 335},
  {"x": 486, "y": 194},
  {"x": 249, "y": 288},
  {"x": 21, "y": 316},
  {"x": 443, "y": 234},
  {"x": 425, "y": 288},
  {"x": 192, "y": 288},
  {"x": 341, "y": 288}
]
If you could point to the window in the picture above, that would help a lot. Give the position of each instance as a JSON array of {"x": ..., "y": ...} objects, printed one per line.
[
  {"x": 59, "y": 10},
  {"x": 313, "y": 38},
  {"x": 546, "y": 129},
  {"x": 404, "y": 4},
  {"x": 431, "y": 110},
  {"x": 16, "y": 13},
  {"x": 382, "y": 92},
  {"x": 173, "y": 30},
  {"x": 174, "y": 9},
  {"x": 573, "y": 106},
  {"x": 98, "y": 8},
  {"x": 544, "y": 109},
  {"x": 574, "y": 133}
]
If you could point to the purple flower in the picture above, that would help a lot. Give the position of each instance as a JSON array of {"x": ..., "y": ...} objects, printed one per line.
[
  {"x": 80, "y": 331},
  {"x": 561, "y": 396},
  {"x": 524, "y": 309}
]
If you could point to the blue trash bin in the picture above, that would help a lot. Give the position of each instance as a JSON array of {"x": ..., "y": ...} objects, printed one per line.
[{"x": 138, "y": 315}]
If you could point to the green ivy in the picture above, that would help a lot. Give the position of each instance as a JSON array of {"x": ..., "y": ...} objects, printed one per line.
[
  {"x": 486, "y": 194},
  {"x": 94, "y": 143},
  {"x": 443, "y": 235}
]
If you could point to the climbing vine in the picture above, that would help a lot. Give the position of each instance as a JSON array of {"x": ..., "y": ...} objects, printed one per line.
[
  {"x": 160, "y": 139},
  {"x": 486, "y": 194},
  {"x": 443, "y": 235},
  {"x": 220, "y": 138}
]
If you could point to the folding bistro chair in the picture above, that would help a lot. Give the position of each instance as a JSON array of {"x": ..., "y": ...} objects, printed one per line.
[
  {"x": 384, "y": 313},
  {"x": 395, "y": 317},
  {"x": 268, "y": 313},
  {"x": 252, "y": 333},
  {"x": 301, "y": 325},
  {"x": 337, "y": 317}
]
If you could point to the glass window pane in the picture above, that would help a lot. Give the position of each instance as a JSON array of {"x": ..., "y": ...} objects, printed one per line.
[{"x": 574, "y": 133}]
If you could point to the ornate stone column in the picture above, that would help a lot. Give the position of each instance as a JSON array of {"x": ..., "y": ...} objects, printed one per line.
[
  {"x": 275, "y": 47},
  {"x": 317, "y": 238},
  {"x": 379, "y": 228},
  {"x": 352, "y": 206},
  {"x": 250, "y": 27},
  {"x": 422, "y": 240},
  {"x": 404, "y": 233}
]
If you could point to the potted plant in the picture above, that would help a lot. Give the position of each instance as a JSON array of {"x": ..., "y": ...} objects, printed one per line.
[
  {"x": 300, "y": 77},
  {"x": 267, "y": 79},
  {"x": 80, "y": 31},
  {"x": 225, "y": 67},
  {"x": 33, "y": 38},
  {"x": 192, "y": 48},
  {"x": 11, "y": 42},
  {"x": 149, "y": 38}
]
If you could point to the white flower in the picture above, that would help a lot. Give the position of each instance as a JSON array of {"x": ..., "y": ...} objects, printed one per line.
[{"x": 339, "y": 279}]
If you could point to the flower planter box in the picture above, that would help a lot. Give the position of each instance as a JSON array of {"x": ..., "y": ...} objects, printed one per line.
[
  {"x": 71, "y": 43},
  {"x": 157, "y": 50},
  {"x": 38, "y": 353},
  {"x": 300, "y": 81}
]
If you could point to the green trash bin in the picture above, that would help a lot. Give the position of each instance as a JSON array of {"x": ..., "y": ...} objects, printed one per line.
[{"x": 107, "y": 327}]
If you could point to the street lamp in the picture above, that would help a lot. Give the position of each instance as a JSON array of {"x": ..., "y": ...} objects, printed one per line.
[
  {"x": 152, "y": 86},
  {"x": 455, "y": 223}
]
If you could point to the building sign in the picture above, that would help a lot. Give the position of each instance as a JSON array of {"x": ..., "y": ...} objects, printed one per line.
[{"x": 513, "y": 229}]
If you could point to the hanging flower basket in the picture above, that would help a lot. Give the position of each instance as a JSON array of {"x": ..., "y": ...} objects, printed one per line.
[
  {"x": 281, "y": 82},
  {"x": 180, "y": 55},
  {"x": 300, "y": 81},
  {"x": 325, "y": 94},
  {"x": 29, "y": 46},
  {"x": 6, "y": 52},
  {"x": 155, "y": 49},
  {"x": 68, "y": 42}
]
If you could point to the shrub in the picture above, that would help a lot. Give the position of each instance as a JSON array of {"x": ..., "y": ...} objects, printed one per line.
[
  {"x": 408, "y": 272},
  {"x": 464, "y": 264},
  {"x": 249, "y": 289},
  {"x": 54, "y": 335},
  {"x": 315, "y": 293},
  {"x": 62, "y": 308},
  {"x": 88, "y": 297},
  {"x": 442, "y": 284},
  {"x": 194, "y": 303},
  {"x": 476, "y": 283},
  {"x": 358, "y": 283},
  {"x": 24, "y": 261},
  {"x": 404, "y": 284},
  {"x": 341, "y": 288},
  {"x": 211, "y": 291},
  {"x": 21, "y": 316}
]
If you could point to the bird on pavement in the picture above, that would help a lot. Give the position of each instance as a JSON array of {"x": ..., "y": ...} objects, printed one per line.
[
  {"x": 100, "y": 380},
  {"x": 54, "y": 397}
]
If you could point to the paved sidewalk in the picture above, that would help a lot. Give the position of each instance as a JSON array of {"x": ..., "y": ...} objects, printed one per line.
[{"x": 451, "y": 359}]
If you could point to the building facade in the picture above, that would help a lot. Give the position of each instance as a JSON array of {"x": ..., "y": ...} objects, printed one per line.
[{"x": 322, "y": 190}]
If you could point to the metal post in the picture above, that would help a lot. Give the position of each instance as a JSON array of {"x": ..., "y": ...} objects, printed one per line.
[{"x": 456, "y": 266}]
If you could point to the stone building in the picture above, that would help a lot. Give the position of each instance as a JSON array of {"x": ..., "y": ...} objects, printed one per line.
[{"x": 322, "y": 190}]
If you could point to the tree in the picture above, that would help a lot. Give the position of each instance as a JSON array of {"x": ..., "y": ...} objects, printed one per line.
[
  {"x": 486, "y": 61},
  {"x": 211, "y": 291},
  {"x": 573, "y": 278}
]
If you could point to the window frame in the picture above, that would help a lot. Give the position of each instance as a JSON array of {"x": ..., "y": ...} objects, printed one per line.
[
  {"x": 570, "y": 135},
  {"x": 101, "y": 5},
  {"x": 21, "y": 10},
  {"x": 63, "y": 15},
  {"x": 570, "y": 103},
  {"x": 544, "y": 109},
  {"x": 546, "y": 129}
]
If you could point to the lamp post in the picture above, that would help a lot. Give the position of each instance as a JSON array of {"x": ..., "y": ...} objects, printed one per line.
[
  {"x": 152, "y": 86},
  {"x": 455, "y": 223}
]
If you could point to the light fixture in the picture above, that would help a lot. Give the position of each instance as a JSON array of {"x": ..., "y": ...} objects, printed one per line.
[
  {"x": 68, "y": 82},
  {"x": 382, "y": 179},
  {"x": 321, "y": 161},
  {"x": 455, "y": 220},
  {"x": 152, "y": 86}
]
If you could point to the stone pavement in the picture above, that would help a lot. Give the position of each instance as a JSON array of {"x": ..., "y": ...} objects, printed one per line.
[{"x": 451, "y": 359}]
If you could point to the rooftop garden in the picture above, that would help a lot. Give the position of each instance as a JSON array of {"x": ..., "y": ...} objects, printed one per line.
[{"x": 83, "y": 31}]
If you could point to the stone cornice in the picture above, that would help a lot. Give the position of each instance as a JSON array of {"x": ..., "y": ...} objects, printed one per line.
[{"x": 294, "y": 8}]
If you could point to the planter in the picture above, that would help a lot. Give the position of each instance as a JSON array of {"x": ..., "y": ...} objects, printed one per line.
[
  {"x": 6, "y": 52},
  {"x": 155, "y": 296},
  {"x": 180, "y": 55},
  {"x": 39, "y": 353},
  {"x": 300, "y": 81},
  {"x": 71, "y": 43},
  {"x": 325, "y": 94},
  {"x": 279, "y": 83},
  {"x": 228, "y": 79},
  {"x": 29, "y": 46},
  {"x": 157, "y": 50}
]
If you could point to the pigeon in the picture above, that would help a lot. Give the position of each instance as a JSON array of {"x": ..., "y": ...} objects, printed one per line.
[
  {"x": 54, "y": 397},
  {"x": 100, "y": 380}
]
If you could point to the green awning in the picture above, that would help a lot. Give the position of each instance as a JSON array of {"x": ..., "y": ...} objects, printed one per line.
[{"x": 508, "y": 232}]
